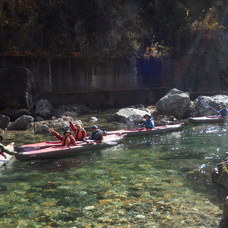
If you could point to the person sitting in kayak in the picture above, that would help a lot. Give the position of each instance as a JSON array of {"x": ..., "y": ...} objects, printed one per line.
[
  {"x": 67, "y": 139},
  {"x": 149, "y": 123},
  {"x": 3, "y": 149},
  {"x": 97, "y": 134},
  {"x": 223, "y": 111},
  {"x": 79, "y": 131}
]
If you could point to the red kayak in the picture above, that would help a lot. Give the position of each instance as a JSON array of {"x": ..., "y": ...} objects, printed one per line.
[
  {"x": 144, "y": 131},
  {"x": 54, "y": 149},
  {"x": 207, "y": 119}
]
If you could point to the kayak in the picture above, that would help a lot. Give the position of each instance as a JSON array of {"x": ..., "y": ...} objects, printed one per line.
[
  {"x": 3, "y": 160},
  {"x": 207, "y": 119},
  {"x": 54, "y": 149},
  {"x": 144, "y": 131}
]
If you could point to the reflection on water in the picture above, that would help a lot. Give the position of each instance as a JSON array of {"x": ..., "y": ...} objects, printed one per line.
[{"x": 156, "y": 181}]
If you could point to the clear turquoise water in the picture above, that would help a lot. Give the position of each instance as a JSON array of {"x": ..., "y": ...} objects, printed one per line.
[{"x": 156, "y": 181}]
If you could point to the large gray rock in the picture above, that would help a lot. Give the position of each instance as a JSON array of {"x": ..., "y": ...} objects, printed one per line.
[
  {"x": 43, "y": 108},
  {"x": 176, "y": 103},
  {"x": 4, "y": 121},
  {"x": 129, "y": 115},
  {"x": 22, "y": 123}
]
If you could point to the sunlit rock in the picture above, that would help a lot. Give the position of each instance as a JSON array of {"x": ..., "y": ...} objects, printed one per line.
[{"x": 176, "y": 103}]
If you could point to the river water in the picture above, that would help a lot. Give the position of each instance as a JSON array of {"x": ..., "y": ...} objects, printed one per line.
[{"x": 159, "y": 181}]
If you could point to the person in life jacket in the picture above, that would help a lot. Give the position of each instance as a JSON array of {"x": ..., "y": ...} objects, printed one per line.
[
  {"x": 67, "y": 139},
  {"x": 97, "y": 134},
  {"x": 149, "y": 123},
  {"x": 223, "y": 111},
  {"x": 3, "y": 149},
  {"x": 79, "y": 132}
]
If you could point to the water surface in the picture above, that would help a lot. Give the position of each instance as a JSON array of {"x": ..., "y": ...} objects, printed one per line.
[{"x": 156, "y": 181}]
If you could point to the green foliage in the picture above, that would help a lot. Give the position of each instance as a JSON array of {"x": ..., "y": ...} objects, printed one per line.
[{"x": 103, "y": 27}]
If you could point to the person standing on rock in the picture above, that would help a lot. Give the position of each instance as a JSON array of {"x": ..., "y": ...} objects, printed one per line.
[
  {"x": 79, "y": 131},
  {"x": 149, "y": 123},
  {"x": 67, "y": 139}
]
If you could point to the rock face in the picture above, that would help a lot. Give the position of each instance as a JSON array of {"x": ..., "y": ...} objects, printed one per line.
[
  {"x": 176, "y": 103},
  {"x": 17, "y": 89},
  {"x": 4, "y": 121},
  {"x": 22, "y": 123},
  {"x": 129, "y": 115},
  {"x": 43, "y": 108}
]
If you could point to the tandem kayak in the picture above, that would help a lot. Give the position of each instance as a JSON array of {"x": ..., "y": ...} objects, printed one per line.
[
  {"x": 3, "y": 160},
  {"x": 144, "y": 131},
  {"x": 207, "y": 119},
  {"x": 54, "y": 149}
]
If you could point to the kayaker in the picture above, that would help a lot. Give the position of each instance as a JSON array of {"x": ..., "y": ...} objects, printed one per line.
[
  {"x": 3, "y": 149},
  {"x": 79, "y": 131},
  {"x": 223, "y": 111},
  {"x": 149, "y": 123},
  {"x": 97, "y": 134},
  {"x": 67, "y": 140}
]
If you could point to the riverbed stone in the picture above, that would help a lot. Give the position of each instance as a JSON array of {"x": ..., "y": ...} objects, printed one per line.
[
  {"x": 4, "y": 121},
  {"x": 176, "y": 103},
  {"x": 22, "y": 123}
]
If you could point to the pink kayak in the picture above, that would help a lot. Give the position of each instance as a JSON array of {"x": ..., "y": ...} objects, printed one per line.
[
  {"x": 54, "y": 149},
  {"x": 144, "y": 131},
  {"x": 207, "y": 119}
]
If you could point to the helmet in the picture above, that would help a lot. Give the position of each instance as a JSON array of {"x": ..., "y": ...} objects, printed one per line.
[{"x": 94, "y": 127}]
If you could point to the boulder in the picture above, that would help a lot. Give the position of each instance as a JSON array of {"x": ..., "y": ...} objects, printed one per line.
[
  {"x": 176, "y": 103},
  {"x": 129, "y": 116},
  {"x": 16, "y": 88},
  {"x": 43, "y": 108},
  {"x": 22, "y": 123},
  {"x": 4, "y": 121},
  {"x": 15, "y": 113}
]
